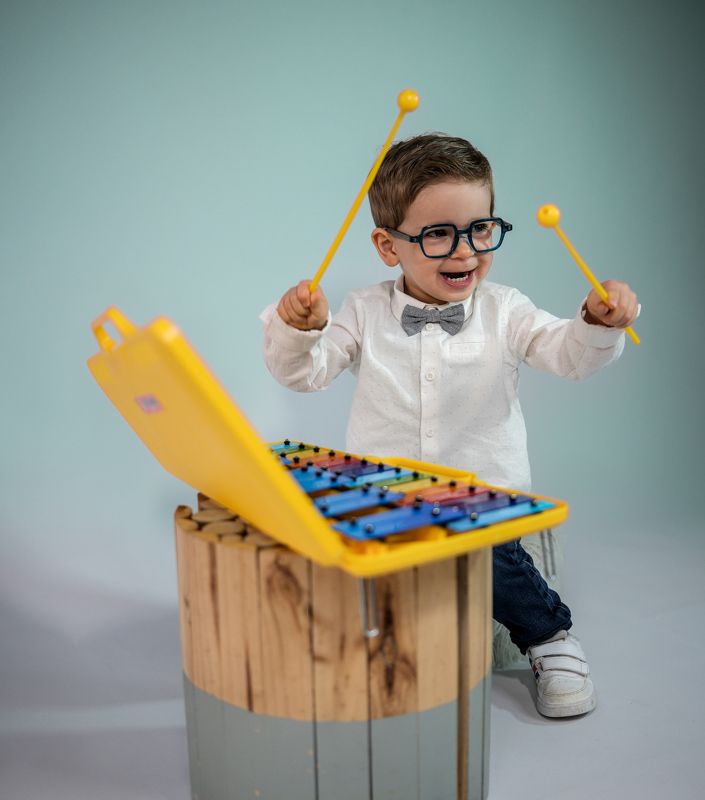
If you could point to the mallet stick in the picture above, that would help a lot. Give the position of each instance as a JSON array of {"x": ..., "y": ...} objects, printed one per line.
[
  {"x": 549, "y": 216},
  {"x": 408, "y": 100}
]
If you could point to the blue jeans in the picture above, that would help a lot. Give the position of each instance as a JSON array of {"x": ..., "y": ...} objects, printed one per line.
[{"x": 522, "y": 601}]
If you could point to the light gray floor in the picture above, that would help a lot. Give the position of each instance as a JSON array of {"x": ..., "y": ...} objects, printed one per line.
[
  {"x": 98, "y": 714},
  {"x": 638, "y": 601}
]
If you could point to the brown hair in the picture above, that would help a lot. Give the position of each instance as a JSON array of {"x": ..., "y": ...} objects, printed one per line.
[{"x": 413, "y": 164}]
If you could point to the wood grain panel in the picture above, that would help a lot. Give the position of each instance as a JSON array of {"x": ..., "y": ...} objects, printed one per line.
[
  {"x": 286, "y": 634},
  {"x": 393, "y": 654},
  {"x": 340, "y": 648},
  {"x": 241, "y": 640},
  {"x": 437, "y": 605}
]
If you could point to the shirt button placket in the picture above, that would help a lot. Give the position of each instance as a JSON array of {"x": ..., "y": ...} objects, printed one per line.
[{"x": 429, "y": 392}]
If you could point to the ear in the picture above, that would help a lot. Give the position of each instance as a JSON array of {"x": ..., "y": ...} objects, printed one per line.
[{"x": 386, "y": 246}]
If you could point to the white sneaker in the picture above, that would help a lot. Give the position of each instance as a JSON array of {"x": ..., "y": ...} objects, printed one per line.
[{"x": 563, "y": 684}]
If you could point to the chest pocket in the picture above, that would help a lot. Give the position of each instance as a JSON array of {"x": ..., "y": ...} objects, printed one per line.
[{"x": 467, "y": 352}]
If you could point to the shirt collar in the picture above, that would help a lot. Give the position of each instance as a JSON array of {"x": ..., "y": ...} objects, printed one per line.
[{"x": 400, "y": 299}]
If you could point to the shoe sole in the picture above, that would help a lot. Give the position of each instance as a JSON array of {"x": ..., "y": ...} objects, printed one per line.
[{"x": 574, "y": 710}]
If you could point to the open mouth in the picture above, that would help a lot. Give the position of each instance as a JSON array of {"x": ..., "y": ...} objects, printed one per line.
[{"x": 458, "y": 278}]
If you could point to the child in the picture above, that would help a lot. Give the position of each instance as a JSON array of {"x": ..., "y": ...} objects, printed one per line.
[{"x": 436, "y": 354}]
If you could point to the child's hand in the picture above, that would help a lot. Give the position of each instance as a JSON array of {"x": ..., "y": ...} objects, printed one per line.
[
  {"x": 303, "y": 310},
  {"x": 619, "y": 311}
]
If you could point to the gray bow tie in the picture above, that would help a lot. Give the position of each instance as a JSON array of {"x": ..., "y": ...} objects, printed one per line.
[{"x": 450, "y": 318}]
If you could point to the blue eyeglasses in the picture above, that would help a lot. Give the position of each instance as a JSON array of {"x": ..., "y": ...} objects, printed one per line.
[{"x": 440, "y": 241}]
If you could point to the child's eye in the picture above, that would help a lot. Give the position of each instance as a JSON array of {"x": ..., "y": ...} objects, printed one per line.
[
  {"x": 439, "y": 233},
  {"x": 482, "y": 229}
]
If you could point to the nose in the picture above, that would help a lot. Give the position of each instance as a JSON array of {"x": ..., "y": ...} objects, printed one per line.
[{"x": 464, "y": 248}]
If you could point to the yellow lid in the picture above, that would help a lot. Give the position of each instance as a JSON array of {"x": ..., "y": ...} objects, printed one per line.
[{"x": 186, "y": 418}]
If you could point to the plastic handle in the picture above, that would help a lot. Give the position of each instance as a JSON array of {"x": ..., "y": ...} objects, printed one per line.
[{"x": 120, "y": 321}]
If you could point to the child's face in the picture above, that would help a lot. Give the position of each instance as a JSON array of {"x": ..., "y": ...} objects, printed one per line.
[{"x": 439, "y": 280}]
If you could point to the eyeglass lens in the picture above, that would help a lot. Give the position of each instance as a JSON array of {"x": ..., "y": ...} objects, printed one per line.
[{"x": 438, "y": 240}]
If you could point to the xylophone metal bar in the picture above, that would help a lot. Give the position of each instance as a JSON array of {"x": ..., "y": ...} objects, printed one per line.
[{"x": 341, "y": 486}]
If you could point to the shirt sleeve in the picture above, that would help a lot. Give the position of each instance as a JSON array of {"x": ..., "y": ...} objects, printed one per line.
[
  {"x": 307, "y": 361},
  {"x": 568, "y": 348}
]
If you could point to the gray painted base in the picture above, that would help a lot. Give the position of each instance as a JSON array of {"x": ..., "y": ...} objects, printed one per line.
[
  {"x": 237, "y": 755},
  {"x": 479, "y": 739}
]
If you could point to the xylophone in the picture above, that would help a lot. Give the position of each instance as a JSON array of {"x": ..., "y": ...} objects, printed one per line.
[{"x": 368, "y": 516}]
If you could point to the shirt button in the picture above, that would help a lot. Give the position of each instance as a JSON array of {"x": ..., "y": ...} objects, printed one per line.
[
  {"x": 430, "y": 376},
  {"x": 429, "y": 432},
  {"x": 429, "y": 326}
]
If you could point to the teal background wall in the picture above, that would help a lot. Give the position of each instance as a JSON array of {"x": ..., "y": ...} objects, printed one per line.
[{"x": 196, "y": 159}]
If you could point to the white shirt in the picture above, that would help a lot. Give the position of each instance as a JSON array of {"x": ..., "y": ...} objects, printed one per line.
[{"x": 448, "y": 400}]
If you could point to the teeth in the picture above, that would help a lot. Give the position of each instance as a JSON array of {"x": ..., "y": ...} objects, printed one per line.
[{"x": 457, "y": 277}]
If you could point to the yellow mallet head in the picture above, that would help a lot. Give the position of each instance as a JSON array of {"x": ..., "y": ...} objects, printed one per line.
[
  {"x": 408, "y": 100},
  {"x": 549, "y": 216}
]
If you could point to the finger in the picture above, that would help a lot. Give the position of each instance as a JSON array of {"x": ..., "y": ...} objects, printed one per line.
[
  {"x": 625, "y": 310},
  {"x": 620, "y": 318},
  {"x": 596, "y": 306},
  {"x": 600, "y": 309},
  {"x": 616, "y": 320},
  {"x": 619, "y": 295},
  {"x": 319, "y": 304},
  {"x": 303, "y": 294},
  {"x": 626, "y": 317},
  {"x": 634, "y": 310},
  {"x": 297, "y": 305},
  {"x": 291, "y": 310}
]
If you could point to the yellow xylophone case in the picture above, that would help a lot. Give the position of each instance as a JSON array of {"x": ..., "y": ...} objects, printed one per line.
[{"x": 190, "y": 424}]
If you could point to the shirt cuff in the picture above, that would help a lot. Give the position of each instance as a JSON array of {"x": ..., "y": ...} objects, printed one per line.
[
  {"x": 601, "y": 336},
  {"x": 287, "y": 335}
]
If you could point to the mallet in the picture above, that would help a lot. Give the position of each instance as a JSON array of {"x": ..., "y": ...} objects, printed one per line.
[
  {"x": 549, "y": 216},
  {"x": 408, "y": 100}
]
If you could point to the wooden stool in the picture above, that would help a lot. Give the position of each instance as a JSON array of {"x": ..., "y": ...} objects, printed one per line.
[{"x": 287, "y": 699}]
